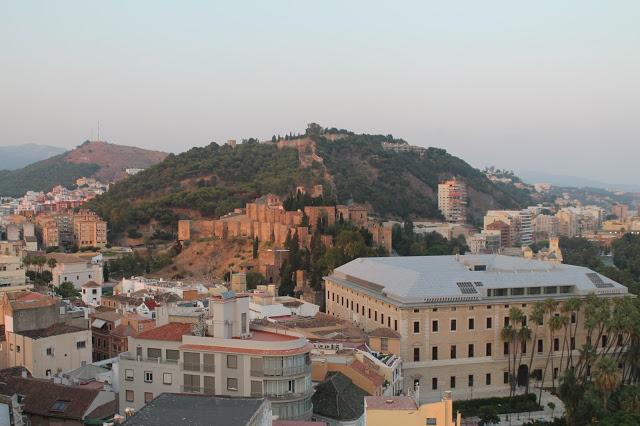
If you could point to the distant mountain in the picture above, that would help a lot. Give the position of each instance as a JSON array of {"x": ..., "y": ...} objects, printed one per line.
[
  {"x": 98, "y": 159},
  {"x": 17, "y": 156},
  {"x": 575, "y": 181},
  {"x": 213, "y": 180}
]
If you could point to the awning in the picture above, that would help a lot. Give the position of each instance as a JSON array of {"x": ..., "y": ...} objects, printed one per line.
[{"x": 98, "y": 323}]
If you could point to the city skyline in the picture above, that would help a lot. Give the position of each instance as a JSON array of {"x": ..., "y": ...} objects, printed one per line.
[{"x": 554, "y": 81}]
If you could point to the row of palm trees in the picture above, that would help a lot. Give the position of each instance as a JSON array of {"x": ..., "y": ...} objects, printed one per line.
[
  {"x": 612, "y": 338},
  {"x": 39, "y": 262}
]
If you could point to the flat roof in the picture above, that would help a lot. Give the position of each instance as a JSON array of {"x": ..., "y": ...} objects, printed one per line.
[
  {"x": 170, "y": 409},
  {"x": 390, "y": 403},
  {"x": 421, "y": 279}
]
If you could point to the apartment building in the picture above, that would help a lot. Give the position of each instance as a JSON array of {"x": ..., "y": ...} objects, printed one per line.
[
  {"x": 450, "y": 310},
  {"x": 518, "y": 230},
  {"x": 37, "y": 338},
  {"x": 452, "y": 200},
  {"x": 405, "y": 410},
  {"x": 220, "y": 355},
  {"x": 89, "y": 230}
]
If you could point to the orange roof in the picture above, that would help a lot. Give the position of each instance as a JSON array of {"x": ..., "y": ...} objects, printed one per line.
[
  {"x": 249, "y": 351},
  {"x": 369, "y": 373},
  {"x": 172, "y": 331}
]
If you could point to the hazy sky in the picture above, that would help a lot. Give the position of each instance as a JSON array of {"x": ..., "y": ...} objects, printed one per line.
[{"x": 537, "y": 85}]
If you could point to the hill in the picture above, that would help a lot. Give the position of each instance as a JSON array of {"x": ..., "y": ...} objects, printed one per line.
[
  {"x": 213, "y": 180},
  {"x": 101, "y": 160},
  {"x": 17, "y": 156}
]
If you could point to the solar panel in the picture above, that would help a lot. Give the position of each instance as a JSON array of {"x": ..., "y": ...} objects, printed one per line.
[
  {"x": 466, "y": 287},
  {"x": 478, "y": 283},
  {"x": 597, "y": 281}
]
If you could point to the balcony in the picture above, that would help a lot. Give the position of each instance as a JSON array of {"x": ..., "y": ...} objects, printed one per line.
[
  {"x": 139, "y": 358},
  {"x": 197, "y": 389},
  {"x": 195, "y": 366},
  {"x": 288, "y": 396},
  {"x": 282, "y": 372}
]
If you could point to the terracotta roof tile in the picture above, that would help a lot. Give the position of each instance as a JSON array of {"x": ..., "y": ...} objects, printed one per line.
[
  {"x": 172, "y": 331},
  {"x": 369, "y": 373}
]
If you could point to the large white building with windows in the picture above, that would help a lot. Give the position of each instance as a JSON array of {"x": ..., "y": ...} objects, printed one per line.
[
  {"x": 449, "y": 311},
  {"x": 219, "y": 355}
]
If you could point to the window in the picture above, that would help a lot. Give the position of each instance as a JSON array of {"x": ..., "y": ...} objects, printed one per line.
[
  {"x": 434, "y": 353},
  {"x": 128, "y": 375},
  {"x": 232, "y": 361},
  {"x": 573, "y": 317},
  {"x": 452, "y": 382},
  {"x": 384, "y": 344},
  {"x": 232, "y": 384},
  {"x": 487, "y": 349},
  {"x": 605, "y": 340},
  {"x": 148, "y": 377},
  {"x": 18, "y": 347},
  {"x": 505, "y": 348},
  {"x": 369, "y": 313},
  {"x": 434, "y": 326},
  {"x": 382, "y": 319},
  {"x": 81, "y": 344},
  {"x": 209, "y": 362},
  {"x": 573, "y": 343},
  {"x": 453, "y": 354},
  {"x": 167, "y": 379},
  {"x": 470, "y": 380},
  {"x": 472, "y": 324},
  {"x": 416, "y": 383},
  {"x": 191, "y": 383},
  {"x": 505, "y": 377},
  {"x": 416, "y": 354},
  {"x": 434, "y": 383},
  {"x": 154, "y": 353},
  {"x": 453, "y": 325},
  {"x": 172, "y": 355},
  {"x": 243, "y": 320},
  {"x": 60, "y": 406},
  {"x": 148, "y": 397},
  {"x": 416, "y": 326},
  {"x": 470, "y": 351},
  {"x": 129, "y": 396},
  {"x": 556, "y": 344},
  {"x": 487, "y": 379},
  {"x": 191, "y": 361},
  {"x": 395, "y": 324},
  {"x": 540, "y": 346},
  {"x": 506, "y": 321},
  {"x": 416, "y": 310},
  {"x": 489, "y": 322},
  {"x": 50, "y": 351},
  {"x": 210, "y": 385},
  {"x": 432, "y": 421}
]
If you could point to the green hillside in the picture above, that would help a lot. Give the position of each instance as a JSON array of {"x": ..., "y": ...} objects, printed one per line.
[
  {"x": 213, "y": 180},
  {"x": 43, "y": 175}
]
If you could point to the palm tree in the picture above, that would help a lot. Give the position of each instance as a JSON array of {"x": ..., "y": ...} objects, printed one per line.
[
  {"x": 607, "y": 378},
  {"x": 508, "y": 336},
  {"x": 572, "y": 306},
  {"x": 51, "y": 263},
  {"x": 536, "y": 317}
]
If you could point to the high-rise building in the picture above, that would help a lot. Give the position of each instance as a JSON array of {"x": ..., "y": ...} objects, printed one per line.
[
  {"x": 621, "y": 211},
  {"x": 452, "y": 200},
  {"x": 89, "y": 230},
  {"x": 520, "y": 229}
]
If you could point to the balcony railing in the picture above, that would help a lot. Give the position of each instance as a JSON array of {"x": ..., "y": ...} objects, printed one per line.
[
  {"x": 195, "y": 366},
  {"x": 289, "y": 395},
  {"x": 139, "y": 358},
  {"x": 198, "y": 389},
  {"x": 282, "y": 372}
]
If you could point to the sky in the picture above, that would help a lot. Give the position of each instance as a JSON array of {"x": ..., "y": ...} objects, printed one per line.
[{"x": 552, "y": 86}]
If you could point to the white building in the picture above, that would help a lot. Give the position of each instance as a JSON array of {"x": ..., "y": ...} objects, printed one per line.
[
  {"x": 265, "y": 303},
  {"x": 74, "y": 269},
  {"x": 91, "y": 293}
]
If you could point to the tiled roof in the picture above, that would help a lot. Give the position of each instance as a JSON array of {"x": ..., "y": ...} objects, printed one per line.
[
  {"x": 108, "y": 315},
  {"x": 172, "y": 331},
  {"x": 151, "y": 304},
  {"x": 123, "y": 331},
  {"x": 249, "y": 351},
  {"x": 384, "y": 332},
  {"x": 90, "y": 284},
  {"x": 40, "y": 397},
  {"x": 367, "y": 372},
  {"x": 338, "y": 398},
  {"x": 54, "y": 330}
]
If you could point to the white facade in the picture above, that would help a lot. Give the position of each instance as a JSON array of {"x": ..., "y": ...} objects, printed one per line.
[{"x": 77, "y": 273}]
